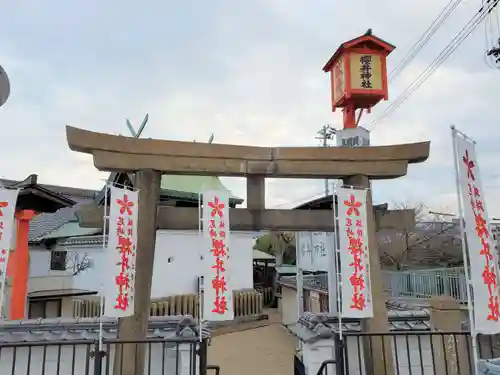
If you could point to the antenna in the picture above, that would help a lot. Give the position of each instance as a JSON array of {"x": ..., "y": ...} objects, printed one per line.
[{"x": 211, "y": 139}]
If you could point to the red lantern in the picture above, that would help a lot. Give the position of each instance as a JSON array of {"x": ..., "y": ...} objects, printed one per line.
[{"x": 358, "y": 74}]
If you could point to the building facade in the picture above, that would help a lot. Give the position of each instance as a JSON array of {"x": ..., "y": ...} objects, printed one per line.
[{"x": 66, "y": 261}]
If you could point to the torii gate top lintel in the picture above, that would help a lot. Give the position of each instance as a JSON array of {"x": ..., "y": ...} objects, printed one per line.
[{"x": 127, "y": 154}]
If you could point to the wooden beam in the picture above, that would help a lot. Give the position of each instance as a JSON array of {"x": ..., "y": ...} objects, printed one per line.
[
  {"x": 87, "y": 142},
  {"x": 113, "y": 162},
  {"x": 246, "y": 219},
  {"x": 256, "y": 198}
]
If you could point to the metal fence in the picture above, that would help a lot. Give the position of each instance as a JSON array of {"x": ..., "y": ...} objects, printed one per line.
[
  {"x": 425, "y": 353},
  {"x": 426, "y": 283},
  {"x": 406, "y": 353},
  {"x": 178, "y": 356}
]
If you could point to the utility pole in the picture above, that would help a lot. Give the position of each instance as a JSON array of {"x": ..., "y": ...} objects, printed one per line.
[{"x": 326, "y": 134}]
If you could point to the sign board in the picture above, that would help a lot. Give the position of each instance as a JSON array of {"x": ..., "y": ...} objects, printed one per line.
[
  {"x": 218, "y": 291},
  {"x": 354, "y": 253},
  {"x": 314, "y": 249},
  {"x": 357, "y": 137},
  {"x": 4, "y": 86},
  {"x": 121, "y": 251}
]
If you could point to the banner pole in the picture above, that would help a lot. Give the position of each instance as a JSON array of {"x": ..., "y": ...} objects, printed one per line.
[
  {"x": 335, "y": 266},
  {"x": 202, "y": 259},
  {"x": 3, "y": 280},
  {"x": 299, "y": 277},
  {"x": 101, "y": 299},
  {"x": 470, "y": 306}
]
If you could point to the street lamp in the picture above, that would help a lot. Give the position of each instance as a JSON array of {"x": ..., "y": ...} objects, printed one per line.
[{"x": 4, "y": 86}]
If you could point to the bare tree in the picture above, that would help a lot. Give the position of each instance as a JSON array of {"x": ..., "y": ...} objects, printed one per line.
[
  {"x": 77, "y": 262},
  {"x": 432, "y": 242}
]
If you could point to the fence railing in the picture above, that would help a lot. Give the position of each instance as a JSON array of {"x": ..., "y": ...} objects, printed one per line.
[
  {"x": 267, "y": 294},
  {"x": 246, "y": 303},
  {"x": 426, "y": 283},
  {"x": 408, "y": 353},
  {"x": 178, "y": 356}
]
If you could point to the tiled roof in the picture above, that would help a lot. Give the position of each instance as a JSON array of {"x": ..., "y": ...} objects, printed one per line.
[
  {"x": 178, "y": 186},
  {"x": 45, "y": 223},
  {"x": 71, "y": 229},
  {"x": 62, "y": 329},
  {"x": 82, "y": 241},
  {"x": 317, "y": 282},
  {"x": 75, "y": 194},
  {"x": 312, "y": 327}
]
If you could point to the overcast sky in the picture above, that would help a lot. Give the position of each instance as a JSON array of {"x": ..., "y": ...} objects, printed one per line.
[{"x": 248, "y": 71}]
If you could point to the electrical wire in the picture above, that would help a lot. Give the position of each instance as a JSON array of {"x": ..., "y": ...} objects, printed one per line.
[
  {"x": 459, "y": 38},
  {"x": 424, "y": 38},
  {"x": 492, "y": 39}
]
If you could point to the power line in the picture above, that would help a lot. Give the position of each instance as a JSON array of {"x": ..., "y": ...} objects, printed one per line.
[
  {"x": 424, "y": 38},
  {"x": 445, "y": 53}
]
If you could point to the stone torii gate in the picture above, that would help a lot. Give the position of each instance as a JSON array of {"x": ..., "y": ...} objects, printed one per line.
[{"x": 148, "y": 159}]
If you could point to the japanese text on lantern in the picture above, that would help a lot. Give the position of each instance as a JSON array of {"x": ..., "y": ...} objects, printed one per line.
[
  {"x": 365, "y": 71},
  {"x": 4, "y": 253},
  {"x": 489, "y": 274},
  {"x": 220, "y": 252},
  {"x": 355, "y": 235},
  {"x": 126, "y": 250}
]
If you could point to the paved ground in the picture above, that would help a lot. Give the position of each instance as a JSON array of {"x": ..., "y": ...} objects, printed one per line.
[{"x": 265, "y": 350}]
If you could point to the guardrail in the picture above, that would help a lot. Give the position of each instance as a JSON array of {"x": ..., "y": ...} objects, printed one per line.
[{"x": 426, "y": 283}]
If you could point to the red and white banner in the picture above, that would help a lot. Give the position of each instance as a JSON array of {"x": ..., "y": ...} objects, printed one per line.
[
  {"x": 218, "y": 293},
  {"x": 121, "y": 253},
  {"x": 482, "y": 254},
  {"x": 8, "y": 199},
  {"x": 354, "y": 253}
]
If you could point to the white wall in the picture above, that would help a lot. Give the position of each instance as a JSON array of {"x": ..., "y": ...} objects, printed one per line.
[
  {"x": 177, "y": 264},
  {"x": 313, "y": 355},
  {"x": 39, "y": 262},
  {"x": 288, "y": 305}
]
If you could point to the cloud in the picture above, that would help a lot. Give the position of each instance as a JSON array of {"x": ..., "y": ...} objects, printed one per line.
[{"x": 249, "y": 72}]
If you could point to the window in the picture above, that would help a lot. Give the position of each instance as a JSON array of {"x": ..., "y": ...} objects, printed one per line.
[
  {"x": 44, "y": 309},
  {"x": 58, "y": 261}
]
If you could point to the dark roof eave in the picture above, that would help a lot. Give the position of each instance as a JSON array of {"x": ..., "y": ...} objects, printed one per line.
[{"x": 386, "y": 45}]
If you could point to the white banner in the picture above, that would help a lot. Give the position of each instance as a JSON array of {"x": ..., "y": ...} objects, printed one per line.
[
  {"x": 218, "y": 292},
  {"x": 354, "y": 253},
  {"x": 121, "y": 253},
  {"x": 314, "y": 249},
  {"x": 8, "y": 199},
  {"x": 482, "y": 257}
]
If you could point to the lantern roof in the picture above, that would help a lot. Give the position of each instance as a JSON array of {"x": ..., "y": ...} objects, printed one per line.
[{"x": 367, "y": 40}]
